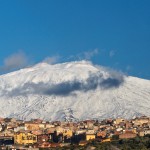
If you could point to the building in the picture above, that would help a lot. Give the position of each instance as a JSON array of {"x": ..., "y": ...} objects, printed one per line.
[
  {"x": 127, "y": 135},
  {"x": 90, "y": 137},
  {"x": 25, "y": 138},
  {"x": 31, "y": 126},
  {"x": 43, "y": 138}
]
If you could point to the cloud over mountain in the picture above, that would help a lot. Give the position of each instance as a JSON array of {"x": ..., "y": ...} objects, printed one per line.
[
  {"x": 65, "y": 88},
  {"x": 15, "y": 61}
]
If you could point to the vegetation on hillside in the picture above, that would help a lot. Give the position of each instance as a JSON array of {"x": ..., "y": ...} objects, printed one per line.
[{"x": 138, "y": 143}]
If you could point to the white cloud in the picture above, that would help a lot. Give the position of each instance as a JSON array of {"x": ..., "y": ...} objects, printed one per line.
[
  {"x": 20, "y": 60},
  {"x": 128, "y": 68},
  {"x": 112, "y": 53},
  {"x": 52, "y": 60},
  {"x": 15, "y": 61},
  {"x": 89, "y": 54}
]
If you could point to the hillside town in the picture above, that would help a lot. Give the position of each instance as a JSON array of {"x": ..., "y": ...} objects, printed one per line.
[{"x": 37, "y": 133}]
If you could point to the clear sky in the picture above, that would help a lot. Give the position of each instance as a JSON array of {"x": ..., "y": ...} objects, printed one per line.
[{"x": 113, "y": 33}]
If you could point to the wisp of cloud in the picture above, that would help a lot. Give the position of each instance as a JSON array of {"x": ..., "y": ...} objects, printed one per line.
[{"x": 93, "y": 82}]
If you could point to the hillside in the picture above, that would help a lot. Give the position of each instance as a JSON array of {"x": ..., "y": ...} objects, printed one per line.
[{"x": 72, "y": 90}]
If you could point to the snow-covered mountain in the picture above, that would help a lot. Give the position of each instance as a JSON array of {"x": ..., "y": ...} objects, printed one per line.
[{"x": 73, "y": 90}]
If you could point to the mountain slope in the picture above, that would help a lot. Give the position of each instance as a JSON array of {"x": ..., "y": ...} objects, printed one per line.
[{"x": 73, "y": 90}]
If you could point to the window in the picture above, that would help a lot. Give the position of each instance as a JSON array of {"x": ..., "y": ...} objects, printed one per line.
[{"x": 34, "y": 138}]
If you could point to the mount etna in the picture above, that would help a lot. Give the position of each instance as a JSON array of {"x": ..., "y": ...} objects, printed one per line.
[{"x": 72, "y": 91}]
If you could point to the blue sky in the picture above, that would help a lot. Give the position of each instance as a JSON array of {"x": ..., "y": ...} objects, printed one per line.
[{"x": 114, "y": 33}]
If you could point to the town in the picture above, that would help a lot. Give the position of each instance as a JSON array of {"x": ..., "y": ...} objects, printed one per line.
[{"x": 37, "y": 133}]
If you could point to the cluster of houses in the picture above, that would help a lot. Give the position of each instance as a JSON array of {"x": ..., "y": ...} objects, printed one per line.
[{"x": 35, "y": 134}]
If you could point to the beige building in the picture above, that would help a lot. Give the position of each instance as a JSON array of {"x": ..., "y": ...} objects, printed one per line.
[
  {"x": 31, "y": 126},
  {"x": 127, "y": 135},
  {"x": 25, "y": 138},
  {"x": 90, "y": 137}
]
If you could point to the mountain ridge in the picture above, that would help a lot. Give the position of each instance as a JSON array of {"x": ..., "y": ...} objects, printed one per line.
[{"x": 72, "y": 91}]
